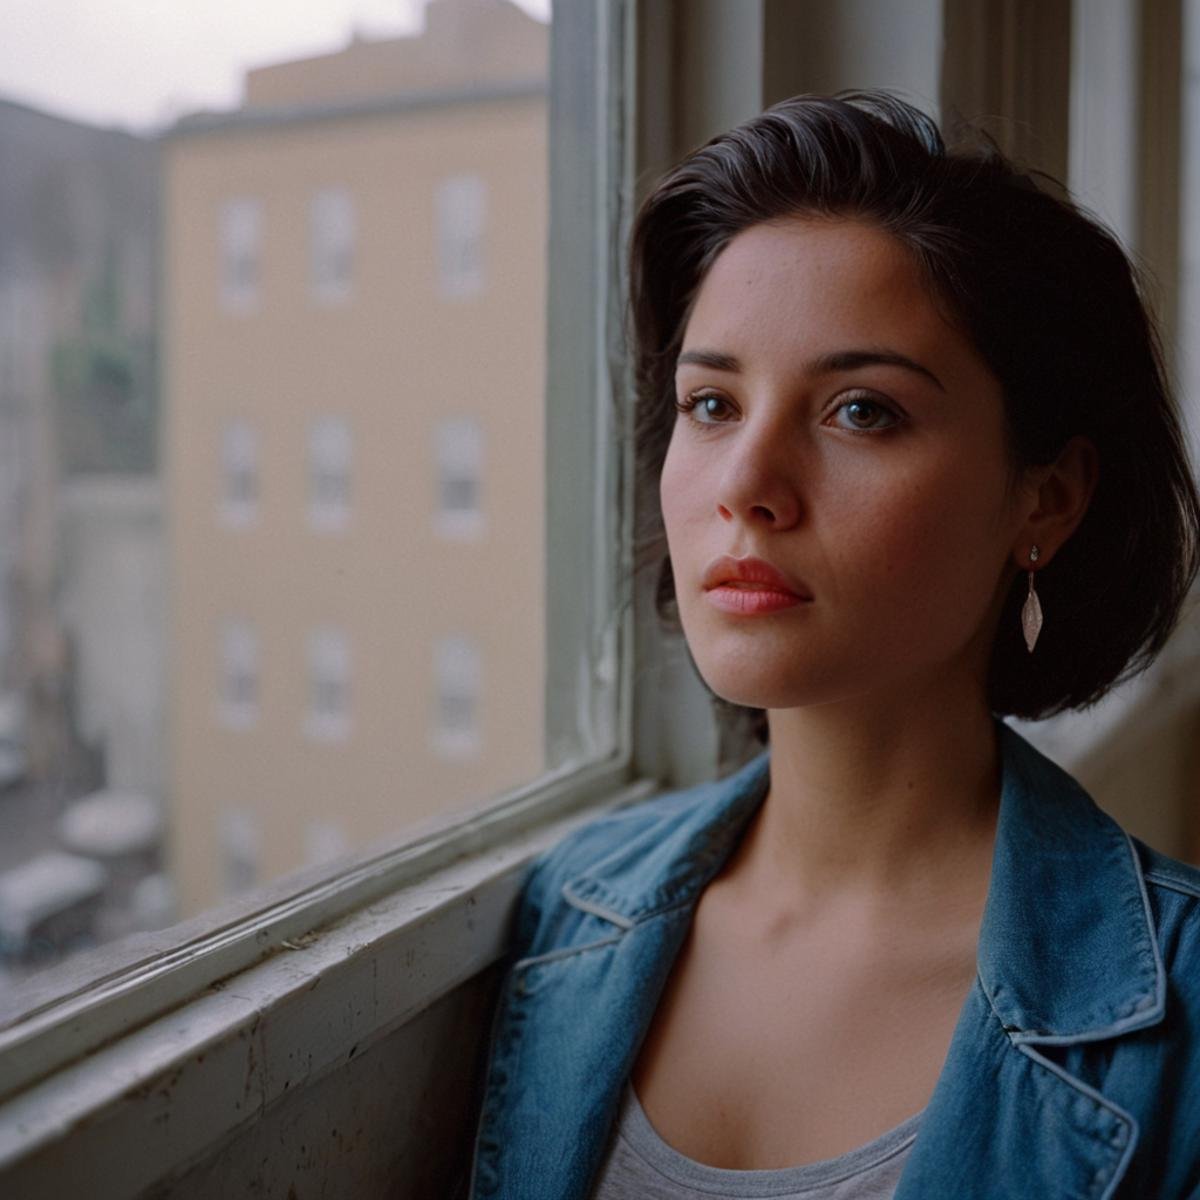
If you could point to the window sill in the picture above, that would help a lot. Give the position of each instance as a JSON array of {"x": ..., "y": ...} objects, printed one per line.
[{"x": 200, "y": 1072}]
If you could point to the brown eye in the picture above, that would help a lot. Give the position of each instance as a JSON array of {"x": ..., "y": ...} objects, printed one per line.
[
  {"x": 704, "y": 409},
  {"x": 865, "y": 415}
]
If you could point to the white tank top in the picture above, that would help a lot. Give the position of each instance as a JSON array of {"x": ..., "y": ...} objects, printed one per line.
[{"x": 639, "y": 1165}]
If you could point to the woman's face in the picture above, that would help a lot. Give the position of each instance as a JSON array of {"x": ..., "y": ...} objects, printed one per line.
[{"x": 841, "y": 430}]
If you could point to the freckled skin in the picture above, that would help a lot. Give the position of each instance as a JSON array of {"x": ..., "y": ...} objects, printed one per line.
[{"x": 903, "y": 536}]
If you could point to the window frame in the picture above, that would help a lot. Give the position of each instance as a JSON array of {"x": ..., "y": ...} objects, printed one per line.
[{"x": 93, "y": 1004}]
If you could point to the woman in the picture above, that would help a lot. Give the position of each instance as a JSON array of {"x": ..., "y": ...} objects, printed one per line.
[{"x": 919, "y": 469}]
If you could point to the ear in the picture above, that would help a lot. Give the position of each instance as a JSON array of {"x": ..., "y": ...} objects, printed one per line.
[{"x": 1059, "y": 497}]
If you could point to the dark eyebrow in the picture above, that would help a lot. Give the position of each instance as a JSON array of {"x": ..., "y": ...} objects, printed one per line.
[
  {"x": 837, "y": 360},
  {"x": 849, "y": 360},
  {"x": 713, "y": 359}
]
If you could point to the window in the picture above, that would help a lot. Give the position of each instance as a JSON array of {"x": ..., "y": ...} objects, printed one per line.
[
  {"x": 457, "y": 682},
  {"x": 461, "y": 209},
  {"x": 281, "y": 645},
  {"x": 241, "y": 253},
  {"x": 331, "y": 245},
  {"x": 329, "y": 460},
  {"x": 238, "y": 700},
  {"x": 328, "y": 718},
  {"x": 458, "y": 455},
  {"x": 241, "y": 849},
  {"x": 239, "y": 474}
]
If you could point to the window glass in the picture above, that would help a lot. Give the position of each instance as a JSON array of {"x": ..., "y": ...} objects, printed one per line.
[
  {"x": 238, "y": 700},
  {"x": 328, "y": 718},
  {"x": 239, "y": 473},
  {"x": 458, "y": 455},
  {"x": 331, "y": 245},
  {"x": 271, "y": 285},
  {"x": 240, "y": 849},
  {"x": 457, "y": 684},
  {"x": 240, "y": 251},
  {"x": 460, "y": 204},
  {"x": 329, "y": 460}
]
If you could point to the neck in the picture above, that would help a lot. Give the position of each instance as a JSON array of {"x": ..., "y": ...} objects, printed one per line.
[{"x": 889, "y": 803}]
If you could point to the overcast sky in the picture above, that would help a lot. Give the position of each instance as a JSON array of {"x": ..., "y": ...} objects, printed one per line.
[{"x": 141, "y": 63}]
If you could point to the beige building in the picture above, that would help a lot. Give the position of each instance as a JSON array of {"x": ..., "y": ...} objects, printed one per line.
[{"x": 354, "y": 287}]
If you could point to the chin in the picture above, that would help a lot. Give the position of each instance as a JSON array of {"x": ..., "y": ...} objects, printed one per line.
[{"x": 768, "y": 687}]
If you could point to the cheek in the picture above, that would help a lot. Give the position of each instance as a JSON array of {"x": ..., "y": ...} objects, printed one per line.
[
  {"x": 677, "y": 487},
  {"x": 938, "y": 531}
]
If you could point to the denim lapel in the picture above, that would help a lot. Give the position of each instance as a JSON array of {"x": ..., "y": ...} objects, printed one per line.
[
  {"x": 671, "y": 864},
  {"x": 565, "y": 1042},
  {"x": 1067, "y": 954},
  {"x": 569, "y": 1029}
]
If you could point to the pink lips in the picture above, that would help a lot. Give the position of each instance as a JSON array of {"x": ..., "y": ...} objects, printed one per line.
[{"x": 750, "y": 586}]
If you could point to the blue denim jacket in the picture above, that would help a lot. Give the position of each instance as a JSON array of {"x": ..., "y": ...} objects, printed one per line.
[{"x": 1073, "y": 1071}]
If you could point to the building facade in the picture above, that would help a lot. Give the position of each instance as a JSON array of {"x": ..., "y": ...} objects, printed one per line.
[{"x": 355, "y": 276}]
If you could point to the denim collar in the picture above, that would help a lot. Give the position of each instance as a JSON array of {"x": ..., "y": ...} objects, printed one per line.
[{"x": 1066, "y": 951}]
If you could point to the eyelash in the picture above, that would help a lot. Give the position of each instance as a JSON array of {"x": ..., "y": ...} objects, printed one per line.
[{"x": 688, "y": 404}]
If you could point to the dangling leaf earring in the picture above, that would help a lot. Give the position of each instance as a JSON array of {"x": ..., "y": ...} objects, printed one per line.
[{"x": 1031, "y": 611}]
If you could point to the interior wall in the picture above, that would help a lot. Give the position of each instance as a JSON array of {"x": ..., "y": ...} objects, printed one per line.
[
  {"x": 828, "y": 45},
  {"x": 1148, "y": 778}
]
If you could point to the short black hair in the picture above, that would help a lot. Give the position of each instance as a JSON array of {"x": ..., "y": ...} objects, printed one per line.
[{"x": 1043, "y": 292}]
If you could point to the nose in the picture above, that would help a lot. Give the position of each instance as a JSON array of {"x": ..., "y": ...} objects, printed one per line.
[{"x": 760, "y": 483}]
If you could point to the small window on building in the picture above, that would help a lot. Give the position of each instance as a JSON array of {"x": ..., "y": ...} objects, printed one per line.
[
  {"x": 238, "y": 699},
  {"x": 331, "y": 245},
  {"x": 239, "y": 474},
  {"x": 324, "y": 841},
  {"x": 328, "y": 718},
  {"x": 329, "y": 462},
  {"x": 458, "y": 454},
  {"x": 241, "y": 849},
  {"x": 241, "y": 254},
  {"x": 460, "y": 205},
  {"x": 457, "y": 688}
]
